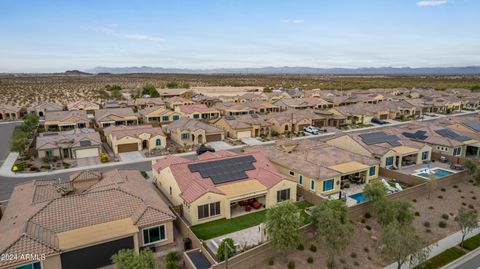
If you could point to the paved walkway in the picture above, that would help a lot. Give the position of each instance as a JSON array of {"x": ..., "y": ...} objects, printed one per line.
[
  {"x": 442, "y": 245},
  {"x": 8, "y": 163}
]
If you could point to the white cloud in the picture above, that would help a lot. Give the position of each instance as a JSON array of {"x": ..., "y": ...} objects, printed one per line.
[
  {"x": 142, "y": 37},
  {"x": 296, "y": 21},
  {"x": 431, "y": 3}
]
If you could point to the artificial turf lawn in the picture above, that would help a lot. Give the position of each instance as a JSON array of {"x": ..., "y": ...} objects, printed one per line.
[{"x": 225, "y": 226}]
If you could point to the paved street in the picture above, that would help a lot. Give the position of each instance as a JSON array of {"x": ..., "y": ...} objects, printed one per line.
[
  {"x": 6, "y": 130},
  {"x": 469, "y": 261}
]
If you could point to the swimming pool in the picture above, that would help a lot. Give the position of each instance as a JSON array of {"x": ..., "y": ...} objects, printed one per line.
[
  {"x": 359, "y": 197},
  {"x": 436, "y": 173}
]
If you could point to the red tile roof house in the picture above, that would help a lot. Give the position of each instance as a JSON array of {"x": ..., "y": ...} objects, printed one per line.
[
  {"x": 82, "y": 222},
  {"x": 248, "y": 183}
]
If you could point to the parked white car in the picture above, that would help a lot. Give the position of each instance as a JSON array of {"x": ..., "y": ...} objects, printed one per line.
[{"x": 311, "y": 129}]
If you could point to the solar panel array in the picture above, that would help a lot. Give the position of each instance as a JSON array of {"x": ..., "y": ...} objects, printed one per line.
[
  {"x": 226, "y": 170},
  {"x": 85, "y": 143},
  {"x": 380, "y": 137},
  {"x": 418, "y": 135},
  {"x": 474, "y": 124},
  {"x": 452, "y": 135}
]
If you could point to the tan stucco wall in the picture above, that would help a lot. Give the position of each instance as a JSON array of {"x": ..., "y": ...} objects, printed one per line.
[
  {"x": 190, "y": 212},
  {"x": 347, "y": 143},
  {"x": 52, "y": 262}
]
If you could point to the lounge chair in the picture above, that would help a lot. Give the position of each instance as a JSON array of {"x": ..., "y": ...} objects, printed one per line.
[
  {"x": 398, "y": 187},
  {"x": 389, "y": 188}
]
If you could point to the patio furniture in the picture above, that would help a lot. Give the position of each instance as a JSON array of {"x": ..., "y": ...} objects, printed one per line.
[
  {"x": 257, "y": 205},
  {"x": 443, "y": 159},
  {"x": 248, "y": 208}
]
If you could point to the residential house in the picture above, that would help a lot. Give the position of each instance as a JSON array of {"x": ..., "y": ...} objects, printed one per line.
[
  {"x": 82, "y": 222},
  {"x": 73, "y": 144},
  {"x": 296, "y": 120},
  {"x": 198, "y": 112},
  {"x": 173, "y": 102},
  {"x": 305, "y": 162},
  {"x": 9, "y": 112},
  {"x": 86, "y": 105},
  {"x": 66, "y": 120},
  {"x": 221, "y": 185},
  {"x": 117, "y": 104},
  {"x": 135, "y": 138},
  {"x": 243, "y": 126},
  {"x": 159, "y": 115},
  {"x": 261, "y": 107},
  {"x": 169, "y": 93},
  {"x": 41, "y": 109},
  {"x": 209, "y": 101},
  {"x": 303, "y": 103},
  {"x": 142, "y": 103},
  {"x": 115, "y": 116},
  {"x": 187, "y": 131},
  {"x": 234, "y": 109},
  {"x": 393, "y": 151},
  {"x": 275, "y": 96}
]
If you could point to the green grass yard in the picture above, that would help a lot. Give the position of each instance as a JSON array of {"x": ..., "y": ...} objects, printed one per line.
[
  {"x": 442, "y": 259},
  {"x": 225, "y": 226}
]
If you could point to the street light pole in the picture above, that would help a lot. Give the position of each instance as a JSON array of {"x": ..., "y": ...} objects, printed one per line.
[{"x": 227, "y": 250}]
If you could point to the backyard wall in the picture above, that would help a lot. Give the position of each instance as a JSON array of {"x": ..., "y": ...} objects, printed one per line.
[
  {"x": 308, "y": 196},
  {"x": 436, "y": 156}
]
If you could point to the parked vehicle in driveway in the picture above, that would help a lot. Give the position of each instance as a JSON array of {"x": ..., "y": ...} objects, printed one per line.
[
  {"x": 379, "y": 121},
  {"x": 311, "y": 129},
  {"x": 202, "y": 149}
]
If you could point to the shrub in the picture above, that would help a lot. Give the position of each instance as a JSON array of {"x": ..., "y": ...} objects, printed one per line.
[
  {"x": 171, "y": 260},
  {"x": 471, "y": 206},
  {"x": 430, "y": 207},
  {"x": 440, "y": 197},
  {"x": 313, "y": 248},
  {"x": 414, "y": 200},
  {"x": 445, "y": 216},
  {"x": 310, "y": 259},
  {"x": 300, "y": 247},
  {"x": 428, "y": 231},
  {"x": 291, "y": 265},
  {"x": 463, "y": 197},
  {"x": 368, "y": 227},
  {"x": 356, "y": 263},
  {"x": 342, "y": 261},
  {"x": 104, "y": 158},
  {"x": 367, "y": 215},
  {"x": 442, "y": 224},
  {"x": 417, "y": 213},
  {"x": 353, "y": 255},
  {"x": 464, "y": 204},
  {"x": 455, "y": 186},
  {"x": 459, "y": 190},
  {"x": 221, "y": 249},
  {"x": 474, "y": 197},
  {"x": 47, "y": 159},
  {"x": 426, "y": 224},
  {"x": 270, "y": 262},
  {"x": 442, "y": 189},
  {"x": 363, "y": 221},
  {"x": 366, "y": 249}
]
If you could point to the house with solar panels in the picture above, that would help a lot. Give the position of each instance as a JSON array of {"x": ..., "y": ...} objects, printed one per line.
[
  {"x": 319, "y": 167},
  {"x": 221, "y": 185},
  {"x": 393, "y": 150},
  {"x": 443, "y": 140}
]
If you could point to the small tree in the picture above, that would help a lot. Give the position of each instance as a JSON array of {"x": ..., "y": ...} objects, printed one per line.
[
  {"x": 334, "y": 228},
  {"x": 471, "y": 167},
  {"x": 221, "y": 249},
  {"x": 468, "y": 221},
  {"x": 150, "y": 90},
  {"x": 282, "y": 224},
  {"x": 171, "y": 260},
  {"x": 129, "y": 258},
  {"x": 400, "y": 243},
  {"x": 374, "y": 191},
  {"x": 394, "y": 211}
]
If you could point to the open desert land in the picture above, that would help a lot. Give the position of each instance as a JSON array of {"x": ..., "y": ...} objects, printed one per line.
[{"x": 24, "y": 90}]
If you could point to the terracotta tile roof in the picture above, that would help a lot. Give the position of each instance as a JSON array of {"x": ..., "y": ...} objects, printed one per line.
[
  {"x": 133, "y": 131},
  {"x": 104, "y": 114},
  {"x": 62, "y": 115},
  {"x": 201, "y": 108},
  {"x": 186, "y": 124},
  {"x": 10, "y": 107},
  {"x": 30, "y": 226},
  {"x": 193, "y": 186},
  {"x": 72, "y": 138}
]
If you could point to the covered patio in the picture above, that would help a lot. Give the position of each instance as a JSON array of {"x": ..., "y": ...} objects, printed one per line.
[
  {"x": 246, "y": 196},
  {"x": 406, "y": 156},
  {"x": 353, "y": 173}
]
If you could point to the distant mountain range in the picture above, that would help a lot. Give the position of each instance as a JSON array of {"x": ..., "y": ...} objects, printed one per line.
[{"x": 468, "y": 70}]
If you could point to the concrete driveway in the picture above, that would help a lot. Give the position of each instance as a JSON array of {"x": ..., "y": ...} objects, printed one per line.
[
  {"x": 251, "y": 141},
  {"x": 220, "y": 145},
  {"x": 131, "y": 156},
  {"x": 88, "y": 161}
]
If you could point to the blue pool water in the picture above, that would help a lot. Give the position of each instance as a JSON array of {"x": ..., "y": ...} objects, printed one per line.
[
  {"x": 359, "y": 197},
  {"x": 437, "y": 174}
]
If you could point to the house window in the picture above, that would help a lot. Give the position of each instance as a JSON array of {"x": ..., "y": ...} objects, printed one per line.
[
  {"x": 283, "y": 195},
  {"x": 35, "y": 265},
  {"x": 49, "y": 153},
  {"x": 389, "y": 161},
  {"x": 208, "y": 210},
  {"x": 154, "y": 234},
  {"x": 196, "y": 116},
  {"x": 457, "y": 151},
  {"x": 158, "y": 142},
  {"x": 291, "y": 173},
  {"x": 312, "y": 185},
  {"x": 185, "y": 136},
  {"x": 371, "y": 171},
  {"x": 300, "y": 179},
  {"x": 424, "y": 155},
  {"x": 164, "y": 118},
  {"x": 176, "y": 117},
  {"x": 328, "y": 185}
]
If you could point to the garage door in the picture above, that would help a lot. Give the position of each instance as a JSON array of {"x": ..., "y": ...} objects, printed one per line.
[
  {"x": 84, "y": 153},
  {"x": 94, "y": 256},
  {"x": 244, "y": 134},
  {"x": 384, "y": 116},
  {"x": 127, "y": 147},
  {"x": 214, "y": 137}
]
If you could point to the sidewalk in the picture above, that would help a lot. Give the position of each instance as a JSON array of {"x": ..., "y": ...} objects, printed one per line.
[{"x": 440, "y": 246}]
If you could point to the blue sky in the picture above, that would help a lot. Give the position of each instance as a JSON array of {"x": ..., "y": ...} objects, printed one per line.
[{"x": 50, "y": 36}]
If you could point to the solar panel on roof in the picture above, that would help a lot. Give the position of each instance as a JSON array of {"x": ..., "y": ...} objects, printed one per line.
[
  {"x": 452, "y": 135},
  {"x": 227, "y": 170},
  {"x": 85, "y": 143},
  {"x": 474, "y": 124},
  {"x": 418, "y": 135},
  {"x": 380, "y": 137}
]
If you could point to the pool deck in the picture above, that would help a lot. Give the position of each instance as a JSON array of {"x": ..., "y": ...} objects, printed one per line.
[{"x": 413, "y": 168}]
